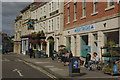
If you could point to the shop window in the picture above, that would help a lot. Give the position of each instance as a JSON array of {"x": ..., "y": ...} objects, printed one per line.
[
  {"x": 112, "y": 38},
  {"x": 95, "y": 37}
]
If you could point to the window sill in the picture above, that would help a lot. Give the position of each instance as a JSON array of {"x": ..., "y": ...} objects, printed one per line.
[
  {"x": 68, "y": 23},
  {"x": 74, "y": 20},
  {"x": 95, "y": 13},
  {"x": 109, "y": 8},
  {"x": 83, "y": 17}
]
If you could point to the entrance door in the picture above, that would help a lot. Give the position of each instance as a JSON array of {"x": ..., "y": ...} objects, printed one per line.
[
  {"x": 96, "y": 47},
  {"x": 69, "y": 43},
  {"x": 84, "y": 45},
  {"x": 51, "y": 48}
]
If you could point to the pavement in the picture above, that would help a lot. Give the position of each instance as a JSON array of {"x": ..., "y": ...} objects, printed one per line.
[
  {"x": 61, "y": 71},
  {"x": 55, "y": 69}
]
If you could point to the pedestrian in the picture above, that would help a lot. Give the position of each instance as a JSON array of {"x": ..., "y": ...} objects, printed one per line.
[
  {"x": 68, "y": 57},
  {"x": 31, "y": 52},
  {"x": 88, "y": 58}
]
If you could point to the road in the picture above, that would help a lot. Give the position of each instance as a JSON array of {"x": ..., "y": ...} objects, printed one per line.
[{"x": 12, "y": 67}]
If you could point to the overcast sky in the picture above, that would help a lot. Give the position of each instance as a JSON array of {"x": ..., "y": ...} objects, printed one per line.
[{"x": 9, "y": 12}]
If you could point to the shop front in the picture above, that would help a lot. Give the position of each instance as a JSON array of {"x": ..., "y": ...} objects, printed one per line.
[{"x": 25, "y": 46}]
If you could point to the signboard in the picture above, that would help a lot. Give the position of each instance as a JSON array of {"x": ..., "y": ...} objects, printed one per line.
[
  {"x": 84, "y": 28},
  {"x": 76, "y": 64},
  {"x": 89, "y": 48},
  {"x": 31, "y": 25}
]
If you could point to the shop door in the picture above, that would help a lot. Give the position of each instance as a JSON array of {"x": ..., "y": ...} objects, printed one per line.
[
  {"x": 84, "y": 45},
  {"x": 69, "y": 44},
  {"x": 51, "y": 48},
  {"x": 96, "y": 47}
]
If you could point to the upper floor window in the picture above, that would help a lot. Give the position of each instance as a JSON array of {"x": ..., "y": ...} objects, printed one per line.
[
  {"x": 52, "y": 24},
  {"x": 41, "y": 11},
  {"x": 68, "y": 14},
  {"x": 110, "y": 3},
  {"x": 44, "y": 9},
  {"x": 58, "y": 23},
  {"x": 58, "y": 4},
  {"x": 49, "y": 25},
  {"x": 50, "y": 7},
  {"x": 75, "y": 11},
  {"x": 95, "y": 6},
  {"x": 44, "y": 24},
  {"x": 84, "y": 7}
]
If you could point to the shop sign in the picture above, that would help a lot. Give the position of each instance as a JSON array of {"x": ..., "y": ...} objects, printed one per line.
[
  {"x": 42, "y": 17},
  {"x": 53, "y": 13},
  {"x": 75, "y": 63},
  {"x": 84, "y": 28},
  {"x": 89, "y": 48},
  {"x": 31, "y": 25}
]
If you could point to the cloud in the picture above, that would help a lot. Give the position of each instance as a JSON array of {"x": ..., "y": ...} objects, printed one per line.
[{"x": 9, "y": 12}]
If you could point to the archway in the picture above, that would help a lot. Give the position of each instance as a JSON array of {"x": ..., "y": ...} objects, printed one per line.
[{"x": 51, "y": 45}]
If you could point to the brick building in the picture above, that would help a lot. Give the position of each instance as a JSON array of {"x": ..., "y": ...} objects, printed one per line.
[{"x": 90, "y": 24}]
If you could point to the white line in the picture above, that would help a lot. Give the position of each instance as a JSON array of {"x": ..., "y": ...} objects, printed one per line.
[
  {"x": 41, "y": 70},
  {"x": 19, "y": 73}
]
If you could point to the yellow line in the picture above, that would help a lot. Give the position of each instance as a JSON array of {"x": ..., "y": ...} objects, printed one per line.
[{"x": 40, "y": 69}]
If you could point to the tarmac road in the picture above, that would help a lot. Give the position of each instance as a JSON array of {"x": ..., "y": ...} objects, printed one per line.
[{"x": 12, "y": 67}]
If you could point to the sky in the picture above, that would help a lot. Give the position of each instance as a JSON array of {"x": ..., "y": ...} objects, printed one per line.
[{"x": 9, "y": 12}]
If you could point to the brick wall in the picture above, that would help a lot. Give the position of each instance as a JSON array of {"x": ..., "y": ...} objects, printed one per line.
[{"x": 89, "y": 10}]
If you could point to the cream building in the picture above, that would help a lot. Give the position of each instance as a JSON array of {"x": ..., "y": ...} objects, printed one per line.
[
  {"x": 17, "y": 39},
  {"x": 49, "y": 17}
]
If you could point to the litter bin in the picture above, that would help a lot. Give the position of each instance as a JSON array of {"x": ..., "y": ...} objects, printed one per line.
[{"x": 74, "y": 67}]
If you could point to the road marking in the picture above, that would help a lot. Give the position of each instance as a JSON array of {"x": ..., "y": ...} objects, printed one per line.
[
  {"x": 49, "y": 66},
  {"x": 55, "y": 69},
  {"x": 5, "y": 59},
  {"x": 18, "y": 60},
  {"x": 18, "y": 71},
  {"x": 42, "y": 62},
  {"x": 41, "y": 70}
]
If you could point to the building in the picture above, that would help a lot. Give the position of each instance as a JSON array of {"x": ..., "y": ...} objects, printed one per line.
[
  {"x": 17, "y": 38},
  {"x": 47, "y": 17},
  {"x": 54, "y": 26},
  {"x": 88, "y": 26},
  {"x": 6, "y": 43}
]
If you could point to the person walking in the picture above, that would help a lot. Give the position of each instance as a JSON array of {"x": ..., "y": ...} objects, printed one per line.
[
  {"x": 31, "y": 52},
  {"x": 68, "y": 57}
]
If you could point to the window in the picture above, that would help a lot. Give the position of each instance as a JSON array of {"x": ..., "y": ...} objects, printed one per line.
[
  {"x": 84, "y": 8},
  {"x": 75, "y": 11},
  {"x": 44, "y": 9},
  {"x": 68, "y": 14},
  {"x": 95, "y": 6},
  {"x": 52, "y": 24},
  {"x": 49, "y": 25},
  {"x": 50, "y": 7},
  {"x": 58, "y": 4},
  {"x": 110, "y": 3},
  {"x": 58, "y": 23},
  {"x": 41, "y": 11},
  {"x": 44, "y": 24}
]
